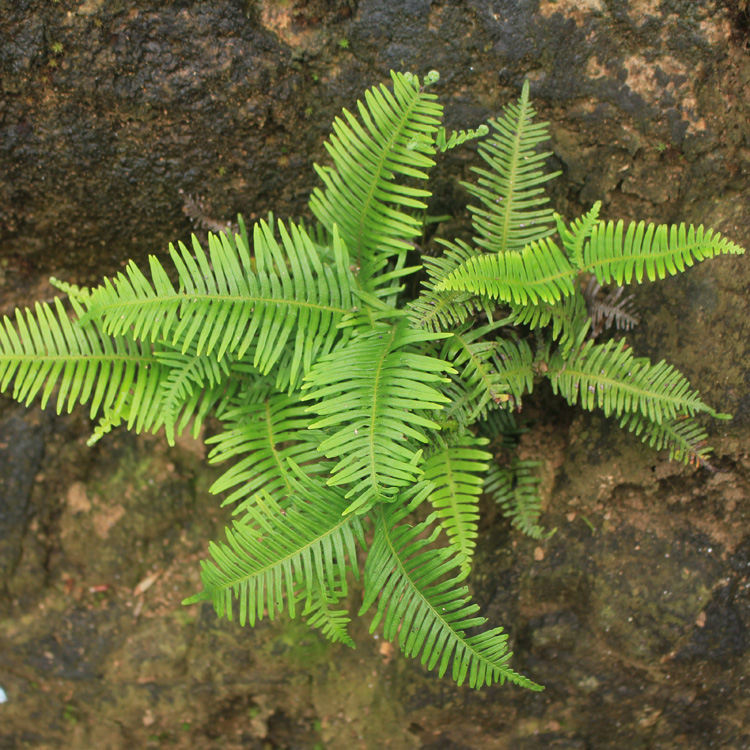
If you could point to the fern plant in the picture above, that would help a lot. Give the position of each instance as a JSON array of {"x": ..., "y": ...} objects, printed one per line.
[{"x": 342, "y": 404}]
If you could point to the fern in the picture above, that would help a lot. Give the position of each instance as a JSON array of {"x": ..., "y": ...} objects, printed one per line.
[
  {"x": 609, "y": 377},
  {"x": 619, "y": 254},
  {"x": 537, "y": 273},
  {"x": 223, "y": 305},
  {"x": 456, "y": 473},
  {"x": 440, "y": 311},
  {"x": 511, "y": 190},
  {"x": 427, "y": 613},
  {"x": 372, "y": 210},
  {"x": 375, "y": 406},
  {"x": 44, "y": 350},
  {"x": 272, "y": 551},
  {"x": 610, "y": 309},
  {"x": 682, "y": 436},
  {"x": 262, "y": 436},
  {"x": 514, "y": 489},
  {"x": 319, "y": 613},
  {"x": 347, "y": 399},
  {"x": 580, "y": 230}
]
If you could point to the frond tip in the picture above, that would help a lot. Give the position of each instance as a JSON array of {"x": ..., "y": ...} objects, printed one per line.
[
  {"x": 538, "y": 273},
  {"x": 424, "y": 609},
  {"x": 619, "y": 254},
  {"x": 273, "y": 551}
]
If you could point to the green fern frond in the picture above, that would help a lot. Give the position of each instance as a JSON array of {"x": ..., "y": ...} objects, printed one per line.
[
  {"x": 608, "y": 376},
  {"x": 275, "y": 553},
  {"x": 319, "y": 613},
  {"x": 580, "y": 230},
  {"x": 492, "y": 372},
  {"x": 515, "y": 489},
  {"x": 682, "y": 436},
  {"x": 453, "y": 419},
  {"x": 511, "y": 191},
  {"x": 362, "y": 195},
  {"x": 569, "y": 318},
  {"x": 375, "y": 405},
  {"x": 189, "y": 380},
  {"x": 539, "y": 272},
  {"x": 458, "y": 137},
  {"x": 425, "y": 609},
  {"x": 226, "y": 307},
  {"x": 440, "y": 311},
  {"x": 456, "y": 473},
  {"x": 614, "y": 253},
  {"x": 505, "y": 375},
  {"x": 263, "y": 435},
  {"x": 516, "y": 368},
  {"x": 45, "y": 350}
]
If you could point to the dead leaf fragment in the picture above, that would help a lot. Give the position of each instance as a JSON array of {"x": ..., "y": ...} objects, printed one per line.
[{"x": 147, "y": 583}]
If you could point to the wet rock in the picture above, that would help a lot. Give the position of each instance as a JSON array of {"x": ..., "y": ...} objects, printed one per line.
[
  {"x": 107, "y": 110},
  {"x": 21, "y": 452}
]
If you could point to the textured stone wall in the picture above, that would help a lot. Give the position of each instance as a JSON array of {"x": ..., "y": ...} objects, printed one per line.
[{"x": 635, "y": 614}]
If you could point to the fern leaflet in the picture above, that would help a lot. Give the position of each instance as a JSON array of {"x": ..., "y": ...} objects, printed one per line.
[
  {"x": 609, "y": 377},
  {"x": 375, "y": 405},
  {"x": 456, "y": 473},
  {"x": 613, "y": 253},
  {"x": 427, "y": 611},
  {"x": 511, "y": 191}
]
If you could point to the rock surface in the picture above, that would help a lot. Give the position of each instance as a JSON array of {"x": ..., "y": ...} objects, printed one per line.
[{"x": 635, "y": 614}]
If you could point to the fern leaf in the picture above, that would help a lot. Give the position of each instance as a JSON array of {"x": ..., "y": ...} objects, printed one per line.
[
  {"x": 440, "y": 311},
  {"x": 511, "y": 191},
  {"x": 362, "y": 195},
  {"x": 515, "y": 489},
  {"x": 538, "y": 273},
  {"x": 611, "y": 309},
  {"x": 609, "y": 377},
  {"x": 491, "y": 372},
  {"x": 373, "y": 394},
  {"x": 189, "y": 379},
  {"x": 319, "y": 613},
  {"x": 619, "y": 254},
  {"x": 580, "y": 230},
  {"x": 456, "y": 472},
  {"x": 683, "y": 437},
  {"x": 45, "y": 350},
  {"x": 225, "y": 308},
  {"x": 274, "y": 551},
  {"x": 263, "y": 435},
  {"x": 425, "y": 609},
  {"x": 569, "y": 318}
]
